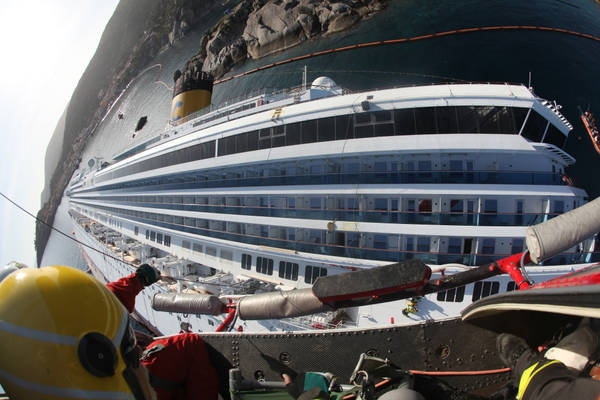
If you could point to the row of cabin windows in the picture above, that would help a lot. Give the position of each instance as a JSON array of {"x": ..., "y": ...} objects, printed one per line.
[
  {"x": 420, "y": 244},
  {"x": 480, "y": 290},
  {"x": 417, "y": 121},
  {"x": 287, "y": 270},
  {"x": 158, "y": 238},
  {"x": 335, "y": 203}
]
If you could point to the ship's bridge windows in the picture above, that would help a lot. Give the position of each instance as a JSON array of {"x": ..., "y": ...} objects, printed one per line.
[
  {"x": 452, "y": 295},
  {"x": 484, "y": 289},
  {"x": 511, "y": 286},
  {"x": 167, "y": 241},
  {"x": 246, "y": 262},
  {"x": 288, "y": 270},
  {"x": 264, "y": 265},
  {"x": 555, "y": 137},
  {"x": 311, "y": 273},
  {"x": 535, "y": 127},
  {"x": 159, "y": 238}
]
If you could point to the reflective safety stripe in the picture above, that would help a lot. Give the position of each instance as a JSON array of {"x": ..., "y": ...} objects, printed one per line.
[
  {"x": 70, "y": 393},
  {"x": 38, "y": 335},
  {"x": 123, "y": 325},
  {"x": 528, "y": 375}
]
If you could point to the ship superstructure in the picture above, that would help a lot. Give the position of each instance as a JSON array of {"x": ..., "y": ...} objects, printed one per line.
[{"x": 283, "y": 188}]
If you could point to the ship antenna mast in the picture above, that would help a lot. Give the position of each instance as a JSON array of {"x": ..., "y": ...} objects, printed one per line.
[
  {"x": 530, "y": 87},
  {"x": 304, "y": 79}
]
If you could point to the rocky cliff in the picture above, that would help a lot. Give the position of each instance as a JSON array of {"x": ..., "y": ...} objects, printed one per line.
[{"x": 255, "y": 28}]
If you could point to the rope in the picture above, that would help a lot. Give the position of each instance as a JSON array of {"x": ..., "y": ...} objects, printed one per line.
[{"x": 411, "y": 39}]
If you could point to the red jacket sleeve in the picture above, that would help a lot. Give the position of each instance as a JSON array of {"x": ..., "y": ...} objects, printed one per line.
[
  {"x": 181, "y": 362},
  {"x": 126, "y": 289}
]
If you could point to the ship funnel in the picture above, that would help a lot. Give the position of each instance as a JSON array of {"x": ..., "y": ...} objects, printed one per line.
[{"x": 193, "y": 91}]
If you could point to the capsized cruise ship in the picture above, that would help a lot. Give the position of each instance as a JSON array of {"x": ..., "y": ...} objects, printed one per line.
[{"x": 273, "y": 191}]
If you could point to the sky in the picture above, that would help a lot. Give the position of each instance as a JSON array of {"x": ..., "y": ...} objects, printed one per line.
[{"x": 46, "y": 46}]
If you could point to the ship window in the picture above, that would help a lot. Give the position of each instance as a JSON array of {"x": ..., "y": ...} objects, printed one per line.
[
  {"x": 380, "y": 242},
  {"x": 311, "y": 273},
  {"x": 344, "y": 127},
  {"x": 315, "y": 202},
  {"x": 363, "y": 131},
  {"x": 425, "y": 206},
  {"x": 506, "y": 122},
  {"x": 309, "y": 131},
  {"x": 246, "y": 261},
  {"x": 211, "y": 251},
  {"x": 167, "y": 241},
  {"x": 517, "y": 246},
  {"x": 381, "y": 204},
  {"x": 510, "y": 286},
  {"x": 186, "y": 244},
  {"x": 147, "y": 234},
  {"x": 456, "y": 206},
  {"x": 288, "y": 270},
  {"x": 558, "y": 207},
  {"x": 555, "y": 137},
  {"x": 452, "y": 295},
  {"x": 404, "y": 121},
  {"x": 384, "y": 130},
  {"x": 489, "y": 246},
  {"x": 159, "y": 238},
  {"x": 535, "y": 127},
  {"x": 425, "y": 120},
  {"x": 241, "y": 143},
  {"x": 446, "y": 119},
  {"x": 477, "y": 290},
  {"x": 362, "y": 118},
  {"x": 264, "y": 265},
  {"x": 136, "y": 230},
  {"x": 152, "y": 236},
  {"x": 488, "y": 119},
  {"x": 382, "y": 116},
  {"x": 226, "y": 255},
  {"x": 490, "y": 206},
  {"x": 253, "y": 140},
  {"x": 353, "y": 239},
  {"x": 467, "y": 120},
  {"x": 423, "y": 244},
  {"x": 454, "y": 245},
  {"x": 326, "y": 129}
]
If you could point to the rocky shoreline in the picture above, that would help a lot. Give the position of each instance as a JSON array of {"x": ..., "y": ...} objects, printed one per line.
[{"x": 141, "y": 29}]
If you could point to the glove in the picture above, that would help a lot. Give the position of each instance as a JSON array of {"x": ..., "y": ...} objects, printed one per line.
[
  {"x": 147, "y": 274},
  {"x": 575, "y": 350}
]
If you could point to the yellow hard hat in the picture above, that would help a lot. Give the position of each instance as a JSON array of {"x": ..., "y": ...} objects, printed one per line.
[{"x": 64, "y": 335}]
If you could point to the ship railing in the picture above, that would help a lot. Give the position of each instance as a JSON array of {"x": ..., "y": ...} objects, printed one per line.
[{"x": 271, "y": 95}]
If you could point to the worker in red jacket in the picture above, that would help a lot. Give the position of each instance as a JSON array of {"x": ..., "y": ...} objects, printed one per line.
[{"x": 179, "y": 366}]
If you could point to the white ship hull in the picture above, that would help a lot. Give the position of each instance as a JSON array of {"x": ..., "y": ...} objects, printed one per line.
[{"x": 281, "y": 190}]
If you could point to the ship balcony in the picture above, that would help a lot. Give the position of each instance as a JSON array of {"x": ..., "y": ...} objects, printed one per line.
[{"x": 380, "y": 216}]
